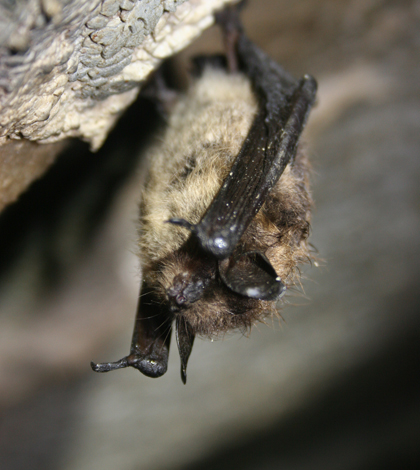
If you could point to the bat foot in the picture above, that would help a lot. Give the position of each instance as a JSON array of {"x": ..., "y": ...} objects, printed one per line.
[
  {"x": 109, "y": 366},
  {"x": 149, "y": 366},
  {"x": 228, "y": 20}
]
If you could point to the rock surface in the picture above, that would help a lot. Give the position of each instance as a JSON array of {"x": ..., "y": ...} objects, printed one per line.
[{"x": 70, "y": 68}]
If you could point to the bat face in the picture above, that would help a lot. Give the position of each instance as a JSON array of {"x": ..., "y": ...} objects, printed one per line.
[{"x": 225, "y": 209}]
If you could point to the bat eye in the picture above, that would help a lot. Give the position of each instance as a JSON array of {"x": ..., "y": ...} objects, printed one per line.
[{"x": 251, "y": 275}]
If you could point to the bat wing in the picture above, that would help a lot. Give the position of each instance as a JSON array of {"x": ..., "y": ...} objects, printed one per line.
[
  {"x": 284, "y": 105},
  {"x": 151, "y": 340},
  {"x": 251, "y": 275}
]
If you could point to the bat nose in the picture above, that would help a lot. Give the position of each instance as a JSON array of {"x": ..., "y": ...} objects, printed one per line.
[
  {"x": 176, "y": 293},
  {"x": 186, "y": 288},
  {"x": 177, "y": 298}
]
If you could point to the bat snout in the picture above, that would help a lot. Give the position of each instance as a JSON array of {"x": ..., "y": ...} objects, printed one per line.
[{"x": 186, "y": 289}]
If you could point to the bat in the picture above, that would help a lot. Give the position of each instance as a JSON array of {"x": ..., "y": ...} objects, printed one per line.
[{"x": 225, "y": 208}]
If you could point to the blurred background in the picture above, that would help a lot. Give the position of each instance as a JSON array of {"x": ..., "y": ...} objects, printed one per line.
[{"x": 334, "y": 385}]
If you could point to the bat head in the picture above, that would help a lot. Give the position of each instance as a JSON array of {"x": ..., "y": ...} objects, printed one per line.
[
  {"x": 205, "y": 296},
  {"x": 214, "y": 296}
]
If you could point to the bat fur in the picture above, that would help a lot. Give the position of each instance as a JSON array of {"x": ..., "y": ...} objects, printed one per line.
[{"x": 205, "y": 133}]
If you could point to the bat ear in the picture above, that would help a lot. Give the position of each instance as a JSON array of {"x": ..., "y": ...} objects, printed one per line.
[
  {"x": 251, "y": 275},
  {"x": 185, "y": 340}
]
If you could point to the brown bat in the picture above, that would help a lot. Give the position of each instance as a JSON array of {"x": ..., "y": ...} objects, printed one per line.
[{"x": 225, "y": 209}]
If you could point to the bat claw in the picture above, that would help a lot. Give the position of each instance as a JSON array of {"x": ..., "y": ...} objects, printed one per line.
[
  {"x": 152, "y": 367},
  {"x": 108, "y": 366},
  {"x": 182, "y": 223}
]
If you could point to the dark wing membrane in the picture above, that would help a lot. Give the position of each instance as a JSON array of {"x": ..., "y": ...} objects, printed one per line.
[
  {"x": 268, "y": 78},
  {"x": 151, "y": 339},
  {"x": 270, "y": 145},
  {"x": 251, "y": 275}
]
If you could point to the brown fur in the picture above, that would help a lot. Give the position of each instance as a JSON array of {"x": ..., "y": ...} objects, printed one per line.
[{"x": 205, "y": 133}]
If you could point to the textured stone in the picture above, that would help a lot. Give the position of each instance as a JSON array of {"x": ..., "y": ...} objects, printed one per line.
[
  {"x": 170, "y": 5},
  {"x": 21, "y": 162},
  {"x": 105, "y": 36},
  {"x": 97, "y": 22},
  {"x": 115, "y": 47},
  {"x": 110, "y": 7},
  {"x": 98, "y": 81},
  {"x": 89, "y": 44},
  {"x": 127, "y": 4},
  {"x": 118, "y": 57},
  {"x": 91, "y": 60},
  {"x": 106, "y": 49}
]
